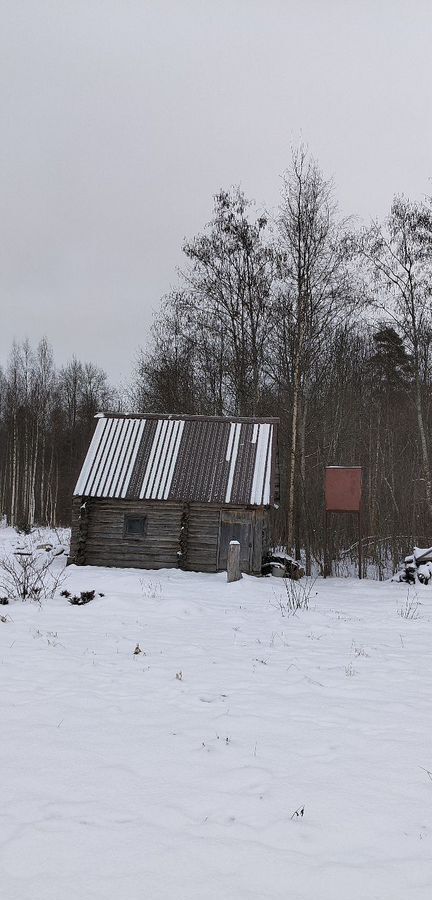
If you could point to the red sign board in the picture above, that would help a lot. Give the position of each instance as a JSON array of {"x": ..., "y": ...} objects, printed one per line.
[{"x": 343, "y": 488}]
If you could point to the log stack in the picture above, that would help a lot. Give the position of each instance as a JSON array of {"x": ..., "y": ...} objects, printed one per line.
[
  {"x": 417, "y": 567},
  {"x": 283, "y": 566}
]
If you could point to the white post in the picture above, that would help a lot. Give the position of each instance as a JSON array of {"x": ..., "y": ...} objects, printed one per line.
[{"x": 233, "y": 562}]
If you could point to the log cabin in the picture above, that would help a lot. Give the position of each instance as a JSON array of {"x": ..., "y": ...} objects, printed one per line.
[{"x": 173, "y": 491}]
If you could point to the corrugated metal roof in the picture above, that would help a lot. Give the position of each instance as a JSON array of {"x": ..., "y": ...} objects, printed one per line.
[{"x": 189, "y": 459}]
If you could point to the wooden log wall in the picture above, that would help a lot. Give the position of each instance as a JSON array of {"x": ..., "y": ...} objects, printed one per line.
[
  {"x": 76, "y": 504},
  {"x": 108, "y": 545},
  {"x": 175, "y": 535}
]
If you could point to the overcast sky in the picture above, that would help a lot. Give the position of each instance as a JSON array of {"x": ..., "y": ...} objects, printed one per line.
[{"x": 121, "y": 119}]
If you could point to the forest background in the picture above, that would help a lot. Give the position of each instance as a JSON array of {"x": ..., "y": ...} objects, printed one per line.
[{"x": 301, "y": 315}]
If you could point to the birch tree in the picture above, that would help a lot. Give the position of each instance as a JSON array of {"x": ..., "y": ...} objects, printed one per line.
[{"x": 316, "y": 294}]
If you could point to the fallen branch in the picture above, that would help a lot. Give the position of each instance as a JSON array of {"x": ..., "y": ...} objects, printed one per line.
[{"x": 298, "y": 812}]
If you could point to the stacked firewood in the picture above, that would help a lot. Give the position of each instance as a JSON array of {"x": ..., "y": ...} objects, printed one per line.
[
  {"x": 283, "y": 566},
  {"x": 417, "y": 567}
]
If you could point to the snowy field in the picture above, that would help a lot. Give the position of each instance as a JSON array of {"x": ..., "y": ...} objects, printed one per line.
[{"x": 174, "y": 774}]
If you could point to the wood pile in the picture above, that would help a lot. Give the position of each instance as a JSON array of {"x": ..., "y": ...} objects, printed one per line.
[
  {"x": 283, "y": 566},
  {"x": 417, "y": 567}
]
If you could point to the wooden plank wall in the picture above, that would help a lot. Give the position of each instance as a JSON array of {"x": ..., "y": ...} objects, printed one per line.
[
  {"x": 203, "y": 537},
  {"x": 261, "y": 518}
]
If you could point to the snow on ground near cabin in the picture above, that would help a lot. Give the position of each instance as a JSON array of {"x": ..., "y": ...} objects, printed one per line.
[{"x": 120, "y": 780}]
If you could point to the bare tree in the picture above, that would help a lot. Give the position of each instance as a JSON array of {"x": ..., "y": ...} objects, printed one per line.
[
  {"x": 165, "y": 376},
  {"x": 399, "y": 254},
  {"x": 317, "y": 293},
  {"x": 46, "y": 419},
  {"x": 229, "y": 283}
]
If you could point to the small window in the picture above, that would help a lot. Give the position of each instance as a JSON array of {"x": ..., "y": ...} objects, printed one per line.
[{"x": 135, "y": 526}]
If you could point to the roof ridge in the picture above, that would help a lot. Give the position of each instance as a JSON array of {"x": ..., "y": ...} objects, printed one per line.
[{"x": 272, "y": 420}]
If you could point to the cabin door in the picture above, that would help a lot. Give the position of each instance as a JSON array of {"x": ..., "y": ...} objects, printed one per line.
[{"x": 236, "y": 526}]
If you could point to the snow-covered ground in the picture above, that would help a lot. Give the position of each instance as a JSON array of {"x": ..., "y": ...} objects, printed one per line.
[{"x": 175, "y": 772}]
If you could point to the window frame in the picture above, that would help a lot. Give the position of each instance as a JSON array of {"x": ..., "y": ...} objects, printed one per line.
[{"x": 137, "y": 535}]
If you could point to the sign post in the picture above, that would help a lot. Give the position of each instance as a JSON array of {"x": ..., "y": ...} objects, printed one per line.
[{"x": 343, "y": 493}]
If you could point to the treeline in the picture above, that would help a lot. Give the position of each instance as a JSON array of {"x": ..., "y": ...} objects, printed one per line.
[
  {"x": 300, "y": 315},
  {"x": 46, "y": 422}
]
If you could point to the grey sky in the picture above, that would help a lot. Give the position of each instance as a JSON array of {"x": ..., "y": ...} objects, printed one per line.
[{"x": 121, "y": 119}]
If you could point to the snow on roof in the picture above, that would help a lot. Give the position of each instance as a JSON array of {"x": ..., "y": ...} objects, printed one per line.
[{"x": 181, "y": 458}]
